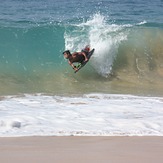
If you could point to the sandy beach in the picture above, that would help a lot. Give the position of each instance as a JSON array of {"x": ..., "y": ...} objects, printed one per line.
[{"x": 81, "y": 149}]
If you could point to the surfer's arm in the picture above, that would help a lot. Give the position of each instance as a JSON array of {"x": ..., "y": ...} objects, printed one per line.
[{"x": 72, "y": 65}]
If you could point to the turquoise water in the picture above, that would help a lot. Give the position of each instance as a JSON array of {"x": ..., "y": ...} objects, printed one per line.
[{"x": 127, "y": 36}]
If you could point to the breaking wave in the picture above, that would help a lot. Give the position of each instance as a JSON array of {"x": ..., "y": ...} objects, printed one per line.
[{"x": 31, "y": 58}]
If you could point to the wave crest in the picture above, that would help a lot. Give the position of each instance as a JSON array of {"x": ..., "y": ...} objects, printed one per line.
[{"x": 104, "y": 37}]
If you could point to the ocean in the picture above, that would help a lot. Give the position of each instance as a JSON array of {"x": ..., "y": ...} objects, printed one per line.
[{"x": 119, "y": 91}]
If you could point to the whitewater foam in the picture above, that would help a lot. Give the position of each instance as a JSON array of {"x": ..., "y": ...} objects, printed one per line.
[
  {"x": 105, "y": 38},
  {"x": 90, "y": 114}
]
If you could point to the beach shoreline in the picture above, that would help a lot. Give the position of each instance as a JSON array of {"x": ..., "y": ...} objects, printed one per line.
[{"x": 81, "y": 149}]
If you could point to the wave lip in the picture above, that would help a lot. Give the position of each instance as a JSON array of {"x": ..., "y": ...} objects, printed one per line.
[{"x": 104, "y": 37}]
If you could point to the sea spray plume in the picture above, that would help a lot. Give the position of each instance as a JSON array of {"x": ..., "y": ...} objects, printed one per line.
[
  {"x": 104, "y": 37},
  {"x": 78, "y": 35}
]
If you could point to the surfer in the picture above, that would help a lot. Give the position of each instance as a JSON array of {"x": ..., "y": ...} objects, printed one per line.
[{"x": 79, "y": 57}]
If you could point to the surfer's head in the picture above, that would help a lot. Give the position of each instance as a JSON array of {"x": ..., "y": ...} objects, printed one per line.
[{"x": 66, "y": 54}]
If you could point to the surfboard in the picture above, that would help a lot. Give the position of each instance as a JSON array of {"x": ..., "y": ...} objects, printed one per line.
[{"x": 84, "y": 63}]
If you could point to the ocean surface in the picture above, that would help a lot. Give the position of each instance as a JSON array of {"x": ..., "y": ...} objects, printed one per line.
[{"x": 119, "y": 91}]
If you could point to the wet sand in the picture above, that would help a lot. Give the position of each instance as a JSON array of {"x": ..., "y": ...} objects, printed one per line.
[{"x": 81, "y": 149}]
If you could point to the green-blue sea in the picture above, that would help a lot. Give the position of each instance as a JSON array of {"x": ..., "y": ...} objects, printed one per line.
[
  {"x": 118, "y": 92},
  {"x": 127, "y": 37}
]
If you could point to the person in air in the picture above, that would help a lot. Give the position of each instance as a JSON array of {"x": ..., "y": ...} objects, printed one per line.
[{"x": 79, "y": 57}]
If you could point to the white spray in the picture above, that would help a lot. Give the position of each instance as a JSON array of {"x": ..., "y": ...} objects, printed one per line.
[{"x": 104, "y": 37}]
